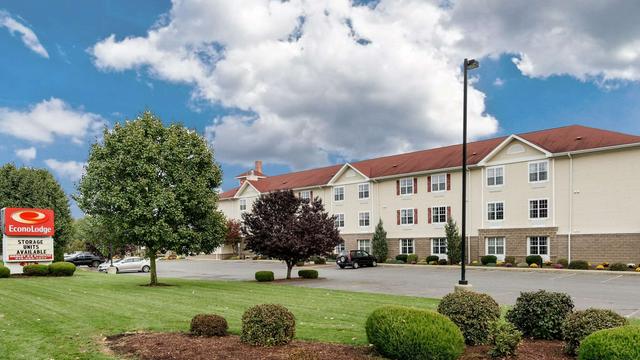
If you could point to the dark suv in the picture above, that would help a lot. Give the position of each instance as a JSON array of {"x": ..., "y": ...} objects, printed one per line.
[
  {"x": 85, "y": 258},
  {"x": 356, "y": 259}
]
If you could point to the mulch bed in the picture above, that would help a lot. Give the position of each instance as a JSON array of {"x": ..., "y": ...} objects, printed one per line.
[{"x": 180, "y": 346}]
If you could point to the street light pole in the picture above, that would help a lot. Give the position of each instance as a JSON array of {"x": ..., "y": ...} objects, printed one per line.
[{"x": 469, "y": 64}]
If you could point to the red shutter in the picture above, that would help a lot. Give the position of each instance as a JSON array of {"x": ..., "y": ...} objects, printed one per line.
[
  {"x": 429, "y": 183},
  {"x": 448, "y": 212},
  {"x": 398, "y": 216},
  {"x": 311, "y": 194},
  {"x": 415, "y": 216},
  {"x": 415, "y": 185},
  {"x": 448, "y": 182},
  {"x": 429, "y": 213},
  {"x": 397, "y": 187}
]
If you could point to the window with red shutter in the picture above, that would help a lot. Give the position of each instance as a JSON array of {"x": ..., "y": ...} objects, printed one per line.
[
  {"x": 398, "y": 217},
  {"x": 429, "y": 183},
  {"x": 415, "y": 185},
  {"x": 448, "y": 182},
  {"x": 448, "y": 212},
  {"x": 397, "y": 187},
  {"x": 415, "y": 216},
  {"x": 429, "y": 215}
]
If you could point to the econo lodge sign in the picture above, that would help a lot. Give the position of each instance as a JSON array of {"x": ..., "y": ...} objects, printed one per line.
[{"x": 28, "y": 222}]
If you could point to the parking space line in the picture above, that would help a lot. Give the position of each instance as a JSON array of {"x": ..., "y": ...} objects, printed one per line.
[
  {"x": 633, "y": 313},
  {"x": 613, "y": 278},
  {"x": 563, "y": 276}
]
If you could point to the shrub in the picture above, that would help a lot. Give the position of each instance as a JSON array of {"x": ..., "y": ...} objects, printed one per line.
[
  {"x": 534, "y": 266},
  {"x": 611, "y": 344},
  {"x": 522, "y": 265},
  {"x": 262, "y": 276},
  {"x": 412, "y": 259},
  {"x": 319, "y": 260},
  {"x": 563, "y": 262},
  {"x": 405, "y": 333},
  {"x": 443, "y": 262},
  {"x": 618, "y": 267},
  {"x": 209, "y": 325},
  {"x": 504, "y": 339},
  {"x": 308, "y": 274},
  {"x": 579, "y": 265},
  {"x": 508, "y": 265},
  {"x": 300, "y": 263},
  {"x": 62, "y": 268},
  {"x": 393, "y": 261},
  {"x": 581, "y": 324},
  {"x": 492, "y": 264},
  {"x": 472, "y": 312},
  {"x": 534, "y": 259},
  {"x": 475, "y": 263},
  {"x": 431, "y": 258},
  {"x": 4, "y": 272},
  {"x": 600, "y": 267},
  {"x": 402, "y": 257},
  {"x": 488, "y": 259},
  {"x": 36, "y": 270},
  {"x": 540, "y": 314},
  {"x": 510, "y": 260},
  {"x": 558, "y": 266},
  {"x": 267, "y": 325}
]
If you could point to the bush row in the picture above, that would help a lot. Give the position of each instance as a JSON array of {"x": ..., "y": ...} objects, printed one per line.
[{"x": 61, "y": 268}]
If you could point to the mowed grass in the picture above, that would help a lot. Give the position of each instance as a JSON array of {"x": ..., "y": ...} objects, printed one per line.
[{"x": 67, "y": 318}]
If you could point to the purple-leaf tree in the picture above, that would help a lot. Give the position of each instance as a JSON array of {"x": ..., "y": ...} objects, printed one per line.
[{"x": 285, "y": 227}]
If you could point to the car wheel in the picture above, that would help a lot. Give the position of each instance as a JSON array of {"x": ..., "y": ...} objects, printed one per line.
[
  {"x": 356, "y": 265},
  {"x": 95, "y": 264},
  {"x": 374, "y": 263},
  {"x": 145, "y": 268}
]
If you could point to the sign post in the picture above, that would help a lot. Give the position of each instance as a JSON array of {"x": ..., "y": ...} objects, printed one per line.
[{"x": 27, "y": 237}]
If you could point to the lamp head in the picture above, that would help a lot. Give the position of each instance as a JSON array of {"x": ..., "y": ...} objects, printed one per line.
[{"x": 471, "y": 64}]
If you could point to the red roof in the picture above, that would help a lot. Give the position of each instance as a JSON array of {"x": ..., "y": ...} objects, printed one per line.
[
  {"x": 558, "y": 140},
  {"x": 251, "y": 172}
]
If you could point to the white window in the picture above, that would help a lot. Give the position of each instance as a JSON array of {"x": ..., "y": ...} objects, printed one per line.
[
  {"x": 406, "y": 216},
  {"x": 363, "y": 191},
  {"x": 339, "y": 220},
  {"x": 439, "y": 247},
  {"x": 364, "y": 245},
  {"x": 407, "y": 246},
  {"x": 305, "y": 195},
  {"x": 495, "y": 246},
  {"x": 338, "y": 193},
  {"x": 495, "y": 211},
  {"x": 243, "y": 204},
  {"x": 539, "y": 245},
  {"x": 439, "y": 214},
  {"x": 340, "y": 248},
  {"x": 363, "y": 219},
  {"x": 538, "y": 209},
  {"x": 439, "y": 182},
  {"x": 495, "y": 176},
  {"x": 406, "y": 186},
  {"x": 538, "y": 171}
]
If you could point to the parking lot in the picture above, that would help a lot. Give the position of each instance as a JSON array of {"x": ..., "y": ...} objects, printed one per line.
[{"x": 612, "y": 290}]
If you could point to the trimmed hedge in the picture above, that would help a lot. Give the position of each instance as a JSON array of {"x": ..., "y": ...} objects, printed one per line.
[
  {"x": 263, "y": 276},
  {"x": 534, "y": 259},
  {"x": 504, "y": 339},
  {"x": 540, "y": 314},
  {"x": 36, "y": 270},
  {"x": 488, "y": 259},
  {"x": 621, "y": 343},
  {"x": 4, "y": 272},
  {"x": 405, "y": 333},
  {"x": 563, "y": 262},
  {"x": 412, "y": 259},
  {"x": 472, "y": 312},
  {"x": 618, "y": 267},
  {"x": 431, "y": 258},
  {"x": 209, "y": 325},
  {"x": 510, "y": 260},
  {"x": 267, "y": 325},
  {"x": 402, "y": 257},
  {"x": 443, "y": 262},
  {"x": 308, "y": 274},
  {"x": 583, "y": 323},
  {"x": 579, "y": 265},
  {"x": 62, "y": 268},
  {"x": 319, "y": 260}
]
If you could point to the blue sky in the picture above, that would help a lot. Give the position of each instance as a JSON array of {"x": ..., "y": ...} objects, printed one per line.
[{"x": 216, "y": 83}]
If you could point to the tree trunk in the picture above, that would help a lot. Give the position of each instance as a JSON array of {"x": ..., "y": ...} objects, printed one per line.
[
  {"x": 152, "y": 273},
  {"x": 290, "y": 265}
]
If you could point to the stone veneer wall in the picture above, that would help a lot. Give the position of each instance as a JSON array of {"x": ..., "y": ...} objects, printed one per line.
[
  {"x": 596, "y": 248},
  {"x": 516, "y": 242}
]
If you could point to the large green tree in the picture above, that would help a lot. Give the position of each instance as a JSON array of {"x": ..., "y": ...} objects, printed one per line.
[
  {"x": 155, "y": 187},
  {"x": 379, "y": 244},
  {"x": 453, "y": 241},
  {"x": 91, "y": 233},
  {"x": 37, "y": 188}
]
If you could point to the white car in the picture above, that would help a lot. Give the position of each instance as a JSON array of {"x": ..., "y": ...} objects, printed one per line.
[{"x": 128, "y": 264}]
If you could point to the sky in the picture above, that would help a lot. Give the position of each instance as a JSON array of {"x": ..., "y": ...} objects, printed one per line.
[{"x": 300, "y": 84}]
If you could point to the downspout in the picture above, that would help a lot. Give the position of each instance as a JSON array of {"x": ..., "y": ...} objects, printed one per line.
[{"x": 570, "y": 207}]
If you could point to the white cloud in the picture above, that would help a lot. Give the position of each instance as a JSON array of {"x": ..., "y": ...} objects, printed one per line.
[
  {"x": 48, "y": 119},
  {"x": 27, "y": 154},
  {"x": 498, "y": 82},
  {"x": 326, "y": 79},
  {"x": 27, "y": 35},
  {"x": 72, "y": 170}
]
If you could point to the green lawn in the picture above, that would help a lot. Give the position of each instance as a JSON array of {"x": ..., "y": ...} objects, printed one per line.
[{"x": 65, "y": 318}]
